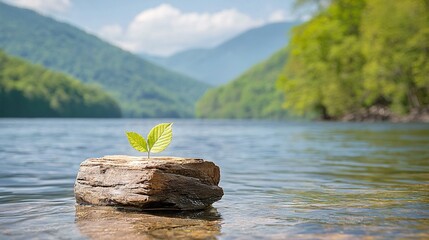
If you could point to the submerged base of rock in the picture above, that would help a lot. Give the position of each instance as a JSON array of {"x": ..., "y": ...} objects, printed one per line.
[
  {"x": 161, "y": 183},
  {"x": 100, "y": 222}
]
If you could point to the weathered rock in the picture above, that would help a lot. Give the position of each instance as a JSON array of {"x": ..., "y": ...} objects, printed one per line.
[{"x": 158, "y": 183}]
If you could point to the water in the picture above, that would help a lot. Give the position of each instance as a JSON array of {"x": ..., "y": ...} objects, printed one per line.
[{"x": 281, "y": 180}]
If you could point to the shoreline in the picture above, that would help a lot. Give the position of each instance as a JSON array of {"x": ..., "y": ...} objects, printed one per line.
[
  {"x": 384, "y": 114},
  {"x": 371, "y": 115}
]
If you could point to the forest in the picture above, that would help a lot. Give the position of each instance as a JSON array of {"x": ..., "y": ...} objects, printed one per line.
[
  {"x": 28, "y": 90},
  {"x": 354, "y": 60},
  {"x": 355, "y": 56}
]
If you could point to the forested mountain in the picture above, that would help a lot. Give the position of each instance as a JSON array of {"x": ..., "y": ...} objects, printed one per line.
[
  {"x": 357, "y": 56},
  {"x": 142, "y": 88},
  {"x": 355, "y": 60},
  {"x": 28, "y": 90},
  {"x": 252, "y": 95},
  {"x": 228, "y": 60}
]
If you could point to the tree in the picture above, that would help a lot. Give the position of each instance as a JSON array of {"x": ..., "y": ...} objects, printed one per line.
[
  {"x": 395, "y": 42},
  {"x": 356, "y": 54}
]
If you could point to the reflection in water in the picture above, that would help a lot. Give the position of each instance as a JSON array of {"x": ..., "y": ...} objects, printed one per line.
[{"x": 99, "y": 222}]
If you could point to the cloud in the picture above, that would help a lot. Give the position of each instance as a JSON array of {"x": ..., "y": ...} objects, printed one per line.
[
  {"x": 164, "y": 30},
  {"x": 277, "y": 16},
  {"x": 43, "y": 6},
  {"x": 282, "y": 16}
]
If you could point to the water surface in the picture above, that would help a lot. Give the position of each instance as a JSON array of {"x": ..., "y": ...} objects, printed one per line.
[{"x": 281, "y": 179}]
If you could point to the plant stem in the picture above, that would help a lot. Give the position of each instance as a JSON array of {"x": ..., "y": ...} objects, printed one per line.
[{"x": 148, "y": 154}]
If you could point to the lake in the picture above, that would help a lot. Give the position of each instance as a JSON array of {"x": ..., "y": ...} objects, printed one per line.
[{"x": 281, "y": 180}]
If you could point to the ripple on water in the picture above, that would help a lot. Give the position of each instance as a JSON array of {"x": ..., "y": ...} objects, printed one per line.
[{"x": 281, "y": 180}]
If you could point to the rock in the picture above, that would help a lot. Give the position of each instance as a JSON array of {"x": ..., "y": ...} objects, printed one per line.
[
  {"x": 162, "y": 183},
  {"x": 100, "y": 222},
  {"x": 383, "y": 113}
]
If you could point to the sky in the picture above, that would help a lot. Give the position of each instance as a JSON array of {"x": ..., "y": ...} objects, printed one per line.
[{"x": 163, "y": 28}]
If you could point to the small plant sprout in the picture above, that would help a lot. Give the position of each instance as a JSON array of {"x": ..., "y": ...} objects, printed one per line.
[{"x": 158, "y": 139}]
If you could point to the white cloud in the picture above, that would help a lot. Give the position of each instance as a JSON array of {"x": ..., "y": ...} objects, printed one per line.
[
  {"x": 43, "y": 6},
  {"x": 164, "y": 30},
  {"x": 277, "y": 16},
  {"x": 282, "y": 16}
]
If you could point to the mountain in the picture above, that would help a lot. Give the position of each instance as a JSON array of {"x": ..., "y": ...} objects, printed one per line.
[
  {"x": 226, "y": 61},
  {"x": 142, "y": 88},
  {"x": 251, "y": 95},
  {"x": 28, "y": 90}
]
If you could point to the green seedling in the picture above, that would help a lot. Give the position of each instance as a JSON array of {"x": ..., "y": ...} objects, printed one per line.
[{"x": 158, "y": 139}]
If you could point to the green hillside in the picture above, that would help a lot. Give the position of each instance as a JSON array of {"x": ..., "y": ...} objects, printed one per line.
[
  {"x": 358, "y": 58},
  {"x": 252, "y": 95},
  {"x": 28, "y": 90},
  {"x": 227, "y": 61},
  {"x": 143, "y": 89}
]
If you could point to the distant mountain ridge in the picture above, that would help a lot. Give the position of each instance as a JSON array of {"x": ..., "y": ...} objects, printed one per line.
[
  {"x": 142, "y": 88},
  {"x": 253, "y": 95},
  {"x": 228, "y": 60}
]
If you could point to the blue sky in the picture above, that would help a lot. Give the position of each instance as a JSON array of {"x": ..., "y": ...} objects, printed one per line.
[{"x": 165, "y": 27}]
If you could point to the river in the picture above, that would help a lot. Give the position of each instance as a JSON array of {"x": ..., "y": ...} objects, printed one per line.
[{"x": 281, "y": 179}]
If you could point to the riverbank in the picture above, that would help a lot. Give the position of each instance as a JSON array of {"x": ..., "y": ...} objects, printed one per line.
[{"x": 384, "y": 114}]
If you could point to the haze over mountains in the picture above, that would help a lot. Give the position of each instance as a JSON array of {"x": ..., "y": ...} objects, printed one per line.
[
  {"x": 142, "y": 88},
  {"x": 227, "y": 61}
]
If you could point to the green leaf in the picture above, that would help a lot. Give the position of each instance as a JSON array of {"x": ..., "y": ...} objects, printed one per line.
[
  {"x": 137, "y": 141},
  {"x": 160, "y": 137}
]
